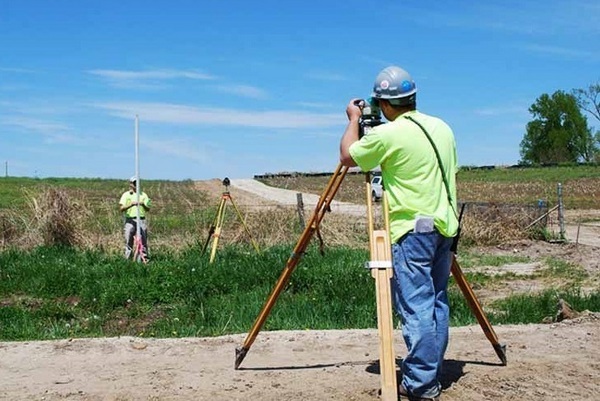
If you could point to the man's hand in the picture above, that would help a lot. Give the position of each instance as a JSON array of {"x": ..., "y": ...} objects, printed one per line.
[{"x": 354, "y": 110}]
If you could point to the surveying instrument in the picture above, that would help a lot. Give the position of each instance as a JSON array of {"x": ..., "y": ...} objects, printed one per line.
[
  {"x": 381, "y": 270},
  {"x": 214, "y": 231}
]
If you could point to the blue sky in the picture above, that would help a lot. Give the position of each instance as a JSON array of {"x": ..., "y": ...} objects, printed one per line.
[{"x": 239, "y": 88}]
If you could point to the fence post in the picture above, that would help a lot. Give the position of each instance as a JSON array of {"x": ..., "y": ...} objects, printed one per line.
[
  {"x": 561, "y": 213},
  {"x": 300, "y": 208}
]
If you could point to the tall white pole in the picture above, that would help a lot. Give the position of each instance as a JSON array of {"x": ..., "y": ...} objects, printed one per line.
[{"x": 137, "y": 176}]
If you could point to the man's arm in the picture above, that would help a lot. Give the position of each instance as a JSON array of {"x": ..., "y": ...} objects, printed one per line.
[
  {"x": 351, "y": 134},
  {"x": 123, "y": 206},
  {"x": 145, "y": 202}
]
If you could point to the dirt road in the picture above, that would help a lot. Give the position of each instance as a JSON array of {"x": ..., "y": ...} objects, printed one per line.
[{"x": 559, "y": 361}]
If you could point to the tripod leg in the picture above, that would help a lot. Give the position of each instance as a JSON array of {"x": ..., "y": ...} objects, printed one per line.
[
  {"x": 211, "y": 230},
  {"x": 217, "y": 233},
  {"x": 382, "y": 271},
  {"x": 254, "y": 244},
  {"x": 475, "y": 306},
  {"x": 318, "y": 214},
  {"x": 381, "y": 263}
]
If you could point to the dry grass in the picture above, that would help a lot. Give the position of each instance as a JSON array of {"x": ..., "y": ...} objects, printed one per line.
[
  {"x": 492, "y": 224},
  {"x": 56, "y": 217},
  {"x": 52, "y": 217},
  {"x": 281, "y": 225}
]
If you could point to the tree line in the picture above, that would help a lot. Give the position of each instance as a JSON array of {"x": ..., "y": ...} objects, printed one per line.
[{"x": 559, "y": 131}]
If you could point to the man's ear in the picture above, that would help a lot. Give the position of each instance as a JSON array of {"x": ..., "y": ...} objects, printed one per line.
[
  {"x": 383, "y": 103},
  {"x": 384, "y": 106}
]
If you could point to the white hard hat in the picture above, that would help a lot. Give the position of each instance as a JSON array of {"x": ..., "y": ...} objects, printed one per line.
[
  {"x": 394, "y": 83},
  {"x": 133, "y": 179}
]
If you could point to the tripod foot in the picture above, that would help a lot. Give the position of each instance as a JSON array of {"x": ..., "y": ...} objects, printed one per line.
[
  {"x": 501, "y": 352},
  {"x": 240, "y": 354}
]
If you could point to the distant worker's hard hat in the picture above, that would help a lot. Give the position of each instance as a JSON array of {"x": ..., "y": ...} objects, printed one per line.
[
  {"x": 133, "y": 179},
  {"x": 395, "y": 83}
]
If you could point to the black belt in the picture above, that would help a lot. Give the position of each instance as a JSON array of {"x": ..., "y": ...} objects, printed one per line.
[{"x": 134, "y": 218}]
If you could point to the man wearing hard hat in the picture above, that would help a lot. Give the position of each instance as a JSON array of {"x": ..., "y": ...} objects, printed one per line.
[
  {"x": 417, "y": 155},
  {"x": 128, "y": 204}
]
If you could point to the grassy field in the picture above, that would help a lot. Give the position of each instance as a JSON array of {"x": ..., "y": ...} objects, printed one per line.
[
  {"x": 50, "y": 291},
  {"x": 53, "y": 293}
]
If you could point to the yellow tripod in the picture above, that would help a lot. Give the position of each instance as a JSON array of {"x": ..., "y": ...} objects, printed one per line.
[
  {"x": 381, "y": 270},
  {"x": 214, "y": 231}
]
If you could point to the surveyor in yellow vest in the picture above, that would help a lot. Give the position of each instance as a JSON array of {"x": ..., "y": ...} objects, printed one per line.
[
  {"x": 417, "y": 156},
  {"x": 128, "y": 204}
]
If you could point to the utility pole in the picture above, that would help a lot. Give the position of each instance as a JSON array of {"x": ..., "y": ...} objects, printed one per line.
[{"x": 6, "y": 168}]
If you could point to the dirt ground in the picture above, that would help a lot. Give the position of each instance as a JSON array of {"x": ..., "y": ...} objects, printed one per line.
[{"x": 545, "y": 361}]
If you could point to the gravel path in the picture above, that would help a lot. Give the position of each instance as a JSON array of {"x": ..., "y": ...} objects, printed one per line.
[{"x": 287, "y": 197}]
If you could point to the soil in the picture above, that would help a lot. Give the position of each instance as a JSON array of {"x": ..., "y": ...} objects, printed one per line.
[{"x": 557, "y": 360}]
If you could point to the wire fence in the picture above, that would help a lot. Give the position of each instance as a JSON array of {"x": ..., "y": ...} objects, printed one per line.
[{"x": 57, "y": 218}]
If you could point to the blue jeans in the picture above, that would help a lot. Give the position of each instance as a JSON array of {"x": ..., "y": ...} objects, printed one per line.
[
  {"x": 130, "y": 232},
  {"x": 421, "y": 269}
]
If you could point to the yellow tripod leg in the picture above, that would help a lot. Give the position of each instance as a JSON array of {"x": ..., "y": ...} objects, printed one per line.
[
  {"x": 321, "y": 208},
  {"x": 381, "y": 265},
  {"x": 239, "y": 214},
  {"x": 382, "y": 272},
  {"x": 217, "y": 233}
]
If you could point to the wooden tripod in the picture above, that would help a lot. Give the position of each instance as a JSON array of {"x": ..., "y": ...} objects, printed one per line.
[
  {"x": 214, "y": 231},
  {"x": 381, "y": 271}
]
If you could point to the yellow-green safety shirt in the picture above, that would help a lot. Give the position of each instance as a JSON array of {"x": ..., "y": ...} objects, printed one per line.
[
  {"x": 410, "y": 171},
  {"x": 130, "y": 197}
]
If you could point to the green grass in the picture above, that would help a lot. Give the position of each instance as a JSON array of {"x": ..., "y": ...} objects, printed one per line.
[
  {"x": 553, "y": 175},
  {"x": 53, "y": 293},
  {"x": 471, "y": 259},
  {"x": 560, "y": 269},
  {"x": 60, "y": 292},
  {"x": 539, "y": 307}
]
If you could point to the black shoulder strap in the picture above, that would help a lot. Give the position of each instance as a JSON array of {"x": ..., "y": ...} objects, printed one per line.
[{"x": 439, "y": 159}]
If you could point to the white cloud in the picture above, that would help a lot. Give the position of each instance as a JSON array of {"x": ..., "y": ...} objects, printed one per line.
[
  {"x": 44, "y": 127},
  {"x": 46, "y": 106},
  {"x": 18, "y": 70},
  {"x": 541, "y": 18},
  {"x": 52, "y": 132},
  {"x": 317, "y": 105},
  {"x": 560, "y": 51},
  {"x": 243, "y": 90},
  {"x": 498, "y": 111},
  {"x": 326, "y": 76},
  {"x": 181, "y": 114},
  {"x": 178, "y": 148},
  {"x": 147, "y": 79},
  {"x": 150, "y": 74}
]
